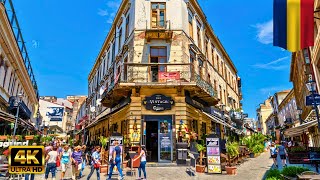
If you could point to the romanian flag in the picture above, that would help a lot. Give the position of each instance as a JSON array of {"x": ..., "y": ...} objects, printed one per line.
[{"x": 293, "y": 24}]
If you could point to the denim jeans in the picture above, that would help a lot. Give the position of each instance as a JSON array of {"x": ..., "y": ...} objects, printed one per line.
[
  {"x": 118, "y": 164},
  {"x": 29, "y": 175},
  {"x": 91, "y": 172},
  {"x": 51, "y": 167},
  {"x": 82, "y": 168},
  {"x": 143, "y": 167}
]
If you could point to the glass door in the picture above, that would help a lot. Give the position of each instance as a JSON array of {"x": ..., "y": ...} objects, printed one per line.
[{"x": 165, "y": 140}]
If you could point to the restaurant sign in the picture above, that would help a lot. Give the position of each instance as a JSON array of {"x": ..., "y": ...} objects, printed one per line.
[{"x": 158, "y": 102}]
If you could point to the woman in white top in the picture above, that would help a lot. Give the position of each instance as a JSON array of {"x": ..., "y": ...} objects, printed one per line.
[
  {"x": 51, "y": 163},
  {"x": 143, "y": 162}
]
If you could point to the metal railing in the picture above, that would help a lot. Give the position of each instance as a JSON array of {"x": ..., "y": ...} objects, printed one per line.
[
  {"x": 165, "y": 25},
  {"x": 162, "y": 73},
  {"x": 12, "y": 18}
]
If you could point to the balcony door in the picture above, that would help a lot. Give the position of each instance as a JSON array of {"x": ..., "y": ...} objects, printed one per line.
[
  {"x": 158, "y": 55},
  {"x": 158, "y": 15}
]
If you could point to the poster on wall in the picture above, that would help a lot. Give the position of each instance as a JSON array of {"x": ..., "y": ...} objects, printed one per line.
[
  {"x": 213, "y": 155},
  {"x": 55, "y": 113},
  {"x": 113, "y": 141}
]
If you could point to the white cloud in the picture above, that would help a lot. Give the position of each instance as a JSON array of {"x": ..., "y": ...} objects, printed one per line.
[
  {"x": 273, "y": 65},
  {"x": 110, "y": 10},
  {"x": 265, "y": 32},
  {"x": 271, "y": 90}
]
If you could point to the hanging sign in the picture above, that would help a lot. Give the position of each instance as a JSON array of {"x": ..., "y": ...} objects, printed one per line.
[
  {"x": 158, "y": 102},
  {"x": 213, "y": 155}
]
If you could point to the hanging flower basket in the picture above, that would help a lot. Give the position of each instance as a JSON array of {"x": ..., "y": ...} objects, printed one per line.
[{"x": 29, "y": 137}]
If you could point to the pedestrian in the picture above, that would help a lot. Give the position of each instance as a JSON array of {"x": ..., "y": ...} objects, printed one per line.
[
  {"x": 51, "y": 163},
  {"x": 84, "y": 159},
  {"x": 274, "y": 154},
  {"x": 95, "y": 164},
  {"x": 65, "y": 157},
  {"x": 116, "y": 160},
  {"x": 76, "y": 159},
  {"x": 143, "y": 162},
  {"x": 283, "y": 154}
]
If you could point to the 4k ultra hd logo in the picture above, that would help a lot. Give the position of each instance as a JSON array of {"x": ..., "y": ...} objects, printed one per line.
[{"x": 26, "y": 160}]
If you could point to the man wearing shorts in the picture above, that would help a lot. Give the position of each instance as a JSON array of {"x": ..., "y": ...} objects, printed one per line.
[{"x": 283, "y": 154}]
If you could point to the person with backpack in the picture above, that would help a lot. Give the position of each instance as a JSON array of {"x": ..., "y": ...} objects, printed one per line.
[
  {"x": 95, "y": 164},
  {"x": 143, "y": 162},
  {"x": 274, "y": 154}
]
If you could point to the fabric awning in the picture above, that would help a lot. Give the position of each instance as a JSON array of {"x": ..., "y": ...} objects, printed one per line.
[
  {"x": 300, "y": 129},
  {"x": 218, "y": 120}
]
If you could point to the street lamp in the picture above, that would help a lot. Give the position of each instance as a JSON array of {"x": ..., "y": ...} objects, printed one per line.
[
  {"x": 311, "y": 85},
  {"x": 19, "y": 98},
  {"x": 222, "y": 107}
]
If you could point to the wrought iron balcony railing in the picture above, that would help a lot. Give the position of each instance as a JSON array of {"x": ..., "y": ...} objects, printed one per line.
[
  {"x": 162, "y": 74},
  {"x": 12, "y": 18}
]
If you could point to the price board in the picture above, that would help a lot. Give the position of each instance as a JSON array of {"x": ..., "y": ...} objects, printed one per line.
[{"x": 213, "y": 155}]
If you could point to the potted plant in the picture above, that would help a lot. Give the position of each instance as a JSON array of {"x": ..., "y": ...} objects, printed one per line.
[
  {"x": 232, "y": 151},
  {"x": 200, "y": 167},
  {"x": 104, "y": 142}
]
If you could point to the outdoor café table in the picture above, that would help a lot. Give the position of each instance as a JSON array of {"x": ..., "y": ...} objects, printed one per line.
[{"x": 309, "y": 177}]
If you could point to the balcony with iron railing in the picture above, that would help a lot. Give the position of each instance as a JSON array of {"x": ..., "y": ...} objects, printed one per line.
[
  {"x": 159, "y": 75},
  {"x": 13, "y": 20}
]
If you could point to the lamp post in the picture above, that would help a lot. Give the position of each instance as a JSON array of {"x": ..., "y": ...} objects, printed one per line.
[
  {"x": 222, "y": 106},
  {"x": 311, "y": 85},
  {"x": 299, "y": 112},
  {"x": 19, "y": 98}
]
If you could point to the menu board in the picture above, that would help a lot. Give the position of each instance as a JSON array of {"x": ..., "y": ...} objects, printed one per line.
[{"x": 213, "y": 155}]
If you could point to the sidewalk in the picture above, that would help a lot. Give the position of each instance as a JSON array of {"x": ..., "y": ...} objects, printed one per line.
[{"x": 253, "y": 169}]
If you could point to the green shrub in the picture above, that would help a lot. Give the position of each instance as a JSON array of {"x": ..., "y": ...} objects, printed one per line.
[
  {"x": 273, "y": 174},
  {"x": 292, "y": 171},
  {"x": 273, "y": 178},
  {"x": 258, "y": 148}
]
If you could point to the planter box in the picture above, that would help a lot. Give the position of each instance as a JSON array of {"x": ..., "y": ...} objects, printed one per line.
[
  {"x": 231, "y": 170},
  {"x": 200, "y": 168},
  {"x": 3, "y": 137},
  {"x": 104, "y": 169},
  {"x": 29, "y": 137}
]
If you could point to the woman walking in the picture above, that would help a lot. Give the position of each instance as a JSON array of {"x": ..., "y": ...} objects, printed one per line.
[
  {"x": 95, "y": 164},
  {"x": 65, "y": 160},
  {"x": 51, "y": 165},
  {"x": 143, "y": 162},
  {"x": 116, "y": 160},
  {"x": 283, "y": 154},
  {"x": 274, "y": 154},
  {"x": 76, "y": 159}
]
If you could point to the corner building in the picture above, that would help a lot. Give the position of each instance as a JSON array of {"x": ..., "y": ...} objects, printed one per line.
[{"x": 162, "y": 75}]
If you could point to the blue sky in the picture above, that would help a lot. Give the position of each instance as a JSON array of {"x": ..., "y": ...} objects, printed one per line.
[{"x": 65, "y": 37}]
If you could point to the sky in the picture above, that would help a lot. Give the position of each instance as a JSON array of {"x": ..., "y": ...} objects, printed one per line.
[{"x": 64, "y": 38}]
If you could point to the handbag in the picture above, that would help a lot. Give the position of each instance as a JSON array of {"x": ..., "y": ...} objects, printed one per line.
[
  {"x": 58, "y": 161},
  {"x": 96, "y": 165}
]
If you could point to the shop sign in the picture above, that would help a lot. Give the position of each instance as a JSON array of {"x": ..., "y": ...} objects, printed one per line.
[
  {"x": 213, "y": 155},
  {"x": 311, "y": 100},
  {"x": 197, "y": 104},
  {"x": 158, "y": 102},
  {"x": 169, "y": 75}
]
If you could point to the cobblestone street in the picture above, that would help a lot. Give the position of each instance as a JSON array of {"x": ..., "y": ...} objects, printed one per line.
[{"x": 253, "y": 169}]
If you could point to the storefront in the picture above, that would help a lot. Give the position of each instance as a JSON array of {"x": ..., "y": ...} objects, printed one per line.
[{"x": 156, "y": 118}]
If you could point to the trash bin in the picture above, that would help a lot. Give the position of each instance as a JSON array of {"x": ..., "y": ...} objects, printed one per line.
[{"x": 182, "y": 153}]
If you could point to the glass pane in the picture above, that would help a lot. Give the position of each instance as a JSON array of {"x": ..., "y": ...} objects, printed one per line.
[
  {"x": 154, "y": 52},
  {"x": 154, "y": 18},
  {"x": 161, "y": 23},
  {"x": 154, "y": 6},
  {"x": 162, "y": 51},
  {"x": 165, "y": 140},
  {"x": 162, "y": 6}
]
